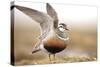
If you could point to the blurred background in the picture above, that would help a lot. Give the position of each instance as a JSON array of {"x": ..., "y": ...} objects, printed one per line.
[{"x": 81, "y": 21}]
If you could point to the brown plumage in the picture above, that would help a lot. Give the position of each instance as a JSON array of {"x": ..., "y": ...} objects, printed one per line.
[
  {"x": 54, "y": 45},
  {"x": 54, "y": 42}
]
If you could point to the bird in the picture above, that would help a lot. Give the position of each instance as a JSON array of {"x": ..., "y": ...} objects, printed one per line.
[{"x": 53, "y": 38}]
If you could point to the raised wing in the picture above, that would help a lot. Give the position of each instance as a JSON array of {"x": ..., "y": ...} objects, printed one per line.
[
  {"x": 53, "y": 14},
  {"x": 45, "y": 20}
]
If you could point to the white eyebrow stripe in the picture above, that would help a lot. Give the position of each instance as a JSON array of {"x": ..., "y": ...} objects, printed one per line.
[{"x": 62, "y": 38}]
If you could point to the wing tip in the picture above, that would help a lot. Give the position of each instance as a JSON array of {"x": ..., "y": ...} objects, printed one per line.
[
  {"x": 12, "y": 7},
  {"x": 48, "y": 5}
]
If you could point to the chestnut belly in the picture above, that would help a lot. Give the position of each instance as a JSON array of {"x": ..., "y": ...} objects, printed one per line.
[{"x": 54, "y": 45}]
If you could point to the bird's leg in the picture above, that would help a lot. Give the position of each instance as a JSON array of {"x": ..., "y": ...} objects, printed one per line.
[
  {"x": 50, "y": 57},
  {"x": 54, "y": 58}
]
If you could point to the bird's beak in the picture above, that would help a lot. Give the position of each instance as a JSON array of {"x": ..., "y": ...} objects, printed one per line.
[{"x": 66, "y": 29}]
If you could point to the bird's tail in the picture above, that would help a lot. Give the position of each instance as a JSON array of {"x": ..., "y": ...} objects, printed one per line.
[{"x": 36, "y": 50}]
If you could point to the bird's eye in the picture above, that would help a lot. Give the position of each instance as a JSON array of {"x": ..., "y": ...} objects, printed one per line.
[{"x": 61, "y": 26}]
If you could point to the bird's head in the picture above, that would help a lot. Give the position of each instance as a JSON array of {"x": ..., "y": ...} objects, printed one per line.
[{"x": 62, "y": 27}]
